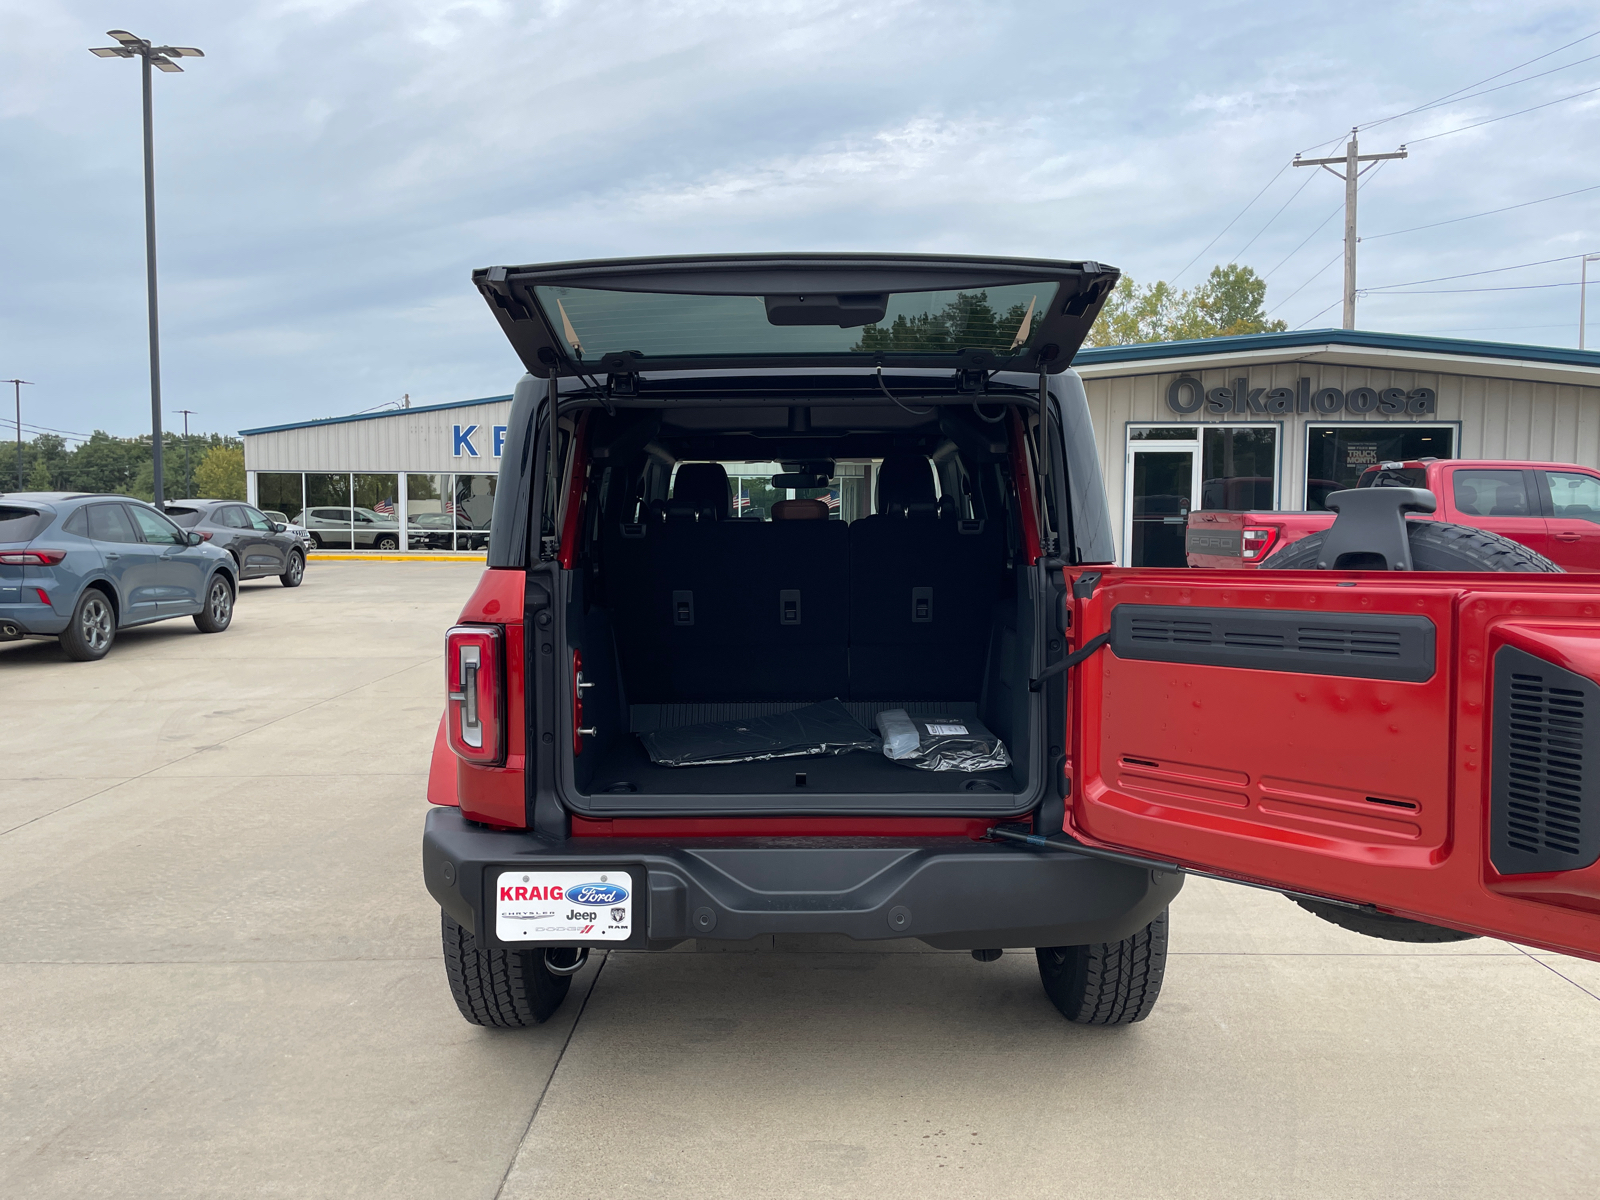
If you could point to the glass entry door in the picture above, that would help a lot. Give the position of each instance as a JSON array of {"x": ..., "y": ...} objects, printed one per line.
[{"x": 1161, "y": 486}]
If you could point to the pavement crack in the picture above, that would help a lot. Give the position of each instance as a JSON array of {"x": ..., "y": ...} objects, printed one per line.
[
  {"x": 1559, "y": 975},
  {"x": 554, "y": 1067}
]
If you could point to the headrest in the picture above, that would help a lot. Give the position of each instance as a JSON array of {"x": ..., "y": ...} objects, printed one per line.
[
  {"x": 800, "y": 510},
  {"x": 701, "y": 490},
  {"x": 905, "y": 486}
]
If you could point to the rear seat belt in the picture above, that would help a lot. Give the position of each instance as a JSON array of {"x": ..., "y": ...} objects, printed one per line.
[{"x": 1070, "y": 661}]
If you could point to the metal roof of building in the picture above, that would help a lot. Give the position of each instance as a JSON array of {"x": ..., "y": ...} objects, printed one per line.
[
  {"x": 1406, "y": 351},
  {"x": 376, "y": 416}
]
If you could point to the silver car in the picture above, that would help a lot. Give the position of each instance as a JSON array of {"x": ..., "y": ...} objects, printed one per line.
[{"x": 351, "y": 528}]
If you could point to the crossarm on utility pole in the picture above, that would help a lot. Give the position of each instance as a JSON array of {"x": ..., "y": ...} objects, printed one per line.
[{"x": 1351, "y": 161}]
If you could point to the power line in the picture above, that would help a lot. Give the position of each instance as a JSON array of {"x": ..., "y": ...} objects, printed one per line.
[
  {"x": 1315, "y": 315},
  {"x": 1459, "y": 90},
  {"x": 1471, "y": 274},
  {"x": 1272, "y": 218},
  {"x": 1323, "y": 222},
  {"x": 1578, "y": 62},
  {"x": 1475, "y": 216},
  {"x": 1320, "y": 272},
  {"x": 1230, "y": 224},
  {"x": 1456, "y": 95},
  {"x": 1506, "y": 117},
  {"x": 1523, "y": 287}
]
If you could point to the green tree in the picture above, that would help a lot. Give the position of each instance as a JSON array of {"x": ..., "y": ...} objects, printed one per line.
[
  {"x": 220, "y": 475},
  {"x": 968, "y": 321},
  {"x": 1230, "y": 302},
  {"x": 39, "y": 480}
]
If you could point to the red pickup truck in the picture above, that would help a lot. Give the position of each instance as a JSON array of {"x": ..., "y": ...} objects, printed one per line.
[{"x": 1552, "y": 508}]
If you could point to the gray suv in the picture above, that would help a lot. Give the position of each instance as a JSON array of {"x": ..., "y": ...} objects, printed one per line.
[
  {"x": 351, "y": 528},
  {"x": 259, "y": 546}
]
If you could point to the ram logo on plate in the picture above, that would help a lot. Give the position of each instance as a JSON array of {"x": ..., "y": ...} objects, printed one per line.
[{"x": 597, "y": 893}]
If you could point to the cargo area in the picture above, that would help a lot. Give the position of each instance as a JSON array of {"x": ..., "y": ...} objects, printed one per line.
[{"x": 703, "y": 593}]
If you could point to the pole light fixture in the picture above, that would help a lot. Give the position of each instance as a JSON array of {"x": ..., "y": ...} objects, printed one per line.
[
  {"x": 159, "y": 57},
  {"x": 1583, "y": 295}
]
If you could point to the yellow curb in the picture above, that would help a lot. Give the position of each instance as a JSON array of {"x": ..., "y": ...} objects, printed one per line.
[{"x": 317, "y": 556}]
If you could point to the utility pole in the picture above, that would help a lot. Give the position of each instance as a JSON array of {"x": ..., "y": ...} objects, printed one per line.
[
  {"x": 1352, "y": 172},
  {"x": 188, "y": 482},
  {"x": 1583, "y": 296},
  {"x": 16, "y": 386},
  {"x": 161, "y": 58}
]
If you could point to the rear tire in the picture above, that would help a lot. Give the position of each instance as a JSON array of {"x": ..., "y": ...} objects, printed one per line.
[
  {"x": 1111, "y": 983},
  {"x": 502, "y": 989},
  {"x": 92, "y": 629},
  {"x": 387, "y": 542},
  {"x": 217, "y": 614},
  {"x": 1435, "y": 546},
  {"x": 295, "y": 572}
]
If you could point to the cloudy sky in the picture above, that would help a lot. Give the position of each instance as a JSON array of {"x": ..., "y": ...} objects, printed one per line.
[{"x": 332, "y": 170}]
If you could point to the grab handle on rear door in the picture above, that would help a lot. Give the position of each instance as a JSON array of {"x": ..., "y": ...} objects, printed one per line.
[{"x": 1070, "y": 661}]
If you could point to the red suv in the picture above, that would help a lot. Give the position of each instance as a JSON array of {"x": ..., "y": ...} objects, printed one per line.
[{"x": 664, "y": 718}]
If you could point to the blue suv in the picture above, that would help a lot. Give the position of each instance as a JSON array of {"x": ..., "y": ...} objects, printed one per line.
[{"x": 80, "y": 567}]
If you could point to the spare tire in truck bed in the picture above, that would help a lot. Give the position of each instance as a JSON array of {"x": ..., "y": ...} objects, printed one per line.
[{"x": 1435, "y": 546}]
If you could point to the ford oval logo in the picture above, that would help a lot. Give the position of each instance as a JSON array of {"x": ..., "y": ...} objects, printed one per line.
[{"x": 597, "y": 893}]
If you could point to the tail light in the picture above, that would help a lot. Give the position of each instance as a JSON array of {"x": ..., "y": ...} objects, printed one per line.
[
  {"x": 1257, "y": 542},
  {"x": 32, "y": 558},
  {"x": 205, "y": 534},
  {"x": 475, "y": 686}
]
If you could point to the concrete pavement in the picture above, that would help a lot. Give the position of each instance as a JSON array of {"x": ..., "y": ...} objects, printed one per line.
[{"x": 221, "y": 977}]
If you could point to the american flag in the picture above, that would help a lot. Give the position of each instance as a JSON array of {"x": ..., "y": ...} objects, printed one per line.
[
  {"x": 831, "y": 499},
  {"x": 385, "y": 507},
  {"x": 450, "y": 508}
]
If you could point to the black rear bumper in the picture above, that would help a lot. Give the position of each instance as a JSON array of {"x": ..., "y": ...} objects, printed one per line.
[{"x": 952, "y": 893}]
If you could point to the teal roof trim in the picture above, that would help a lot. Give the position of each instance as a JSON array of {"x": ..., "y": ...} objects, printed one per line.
[
  {"x": 377, "y": 416},
  {"x": 1294, "y": 339}
]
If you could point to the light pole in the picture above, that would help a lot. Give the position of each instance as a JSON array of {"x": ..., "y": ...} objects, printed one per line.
[
  {"x": 16, "y": 385},
  {"x": 161, "y": 58},
  {"x": 1583, "y": 295},
  {"x": 188, "y": 484}
]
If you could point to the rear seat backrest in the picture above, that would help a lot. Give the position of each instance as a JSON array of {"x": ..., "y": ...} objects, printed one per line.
[{"x": 922, "y": 591}]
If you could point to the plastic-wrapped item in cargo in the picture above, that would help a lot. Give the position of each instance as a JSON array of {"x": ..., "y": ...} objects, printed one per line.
[
  {"x": 815, "y": 731},
  {"x": 900, "y": 736},
  {"x": 942, "y": 743}
]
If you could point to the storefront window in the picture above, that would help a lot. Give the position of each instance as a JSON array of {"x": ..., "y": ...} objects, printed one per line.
[
  {"x": 473, "y": 505},
  {"x": 1337, "y": 454},
  {"x": 281, "y": 492},
  {"x": 1239, "y": 468},
  {"x": 327, "y": 511},
  {"x": 375, "y": 514}
]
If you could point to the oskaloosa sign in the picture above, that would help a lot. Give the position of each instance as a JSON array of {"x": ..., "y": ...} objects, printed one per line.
[{"x": 1186, "y": 395}]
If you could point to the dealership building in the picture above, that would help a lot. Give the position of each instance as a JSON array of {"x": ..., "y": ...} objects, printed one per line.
[{"x": 1273, "y": 420}]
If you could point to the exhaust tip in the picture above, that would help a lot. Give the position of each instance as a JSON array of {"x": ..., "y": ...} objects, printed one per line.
[{"x": 9, "y": 632}]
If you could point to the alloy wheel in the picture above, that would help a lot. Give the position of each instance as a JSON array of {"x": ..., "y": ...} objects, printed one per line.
[
  {"x": 95, "y": 624},
  {"x": 221, "y": 602}
]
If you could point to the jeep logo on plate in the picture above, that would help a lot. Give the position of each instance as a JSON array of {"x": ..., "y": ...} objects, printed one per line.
[{"x": 597, "y": 893}]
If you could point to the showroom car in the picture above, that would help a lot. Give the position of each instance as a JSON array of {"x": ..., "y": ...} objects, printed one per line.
[{"x": 82, "y": 567}]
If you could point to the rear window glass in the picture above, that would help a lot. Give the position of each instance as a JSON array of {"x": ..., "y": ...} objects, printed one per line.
[
  {"x": 19, "y": 524},
  {"x": 186, "y": 517},
  {"x": 595, "y": 323},
  {"x": 1416, "y": 477}
]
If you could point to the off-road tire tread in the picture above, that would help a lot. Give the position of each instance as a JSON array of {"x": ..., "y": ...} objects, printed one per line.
[
  {"x": 1111, "y": 983},
  {"x": 1381, "y": 925},
  {"x": 501, "y": 989},
  {"x": 1435, "y": 546}
]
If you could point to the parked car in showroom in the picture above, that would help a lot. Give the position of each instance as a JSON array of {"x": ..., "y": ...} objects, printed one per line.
[
  {"x": 259, "y": 545},
  {"x": 440, "y": 531},
  {"x": 351, "y": 528},
  {"x": 658, "y": 718},
  {"x": 81, "y": 567},
  {"x": 299, "y": 531}
]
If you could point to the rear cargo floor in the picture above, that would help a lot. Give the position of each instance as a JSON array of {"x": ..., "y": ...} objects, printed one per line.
[{"x": 624, "y": 768}]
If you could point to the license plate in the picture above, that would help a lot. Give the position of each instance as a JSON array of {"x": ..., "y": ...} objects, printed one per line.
[{"x": 564, "y": 906}]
